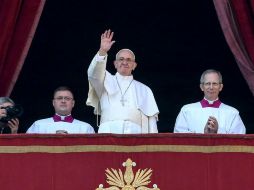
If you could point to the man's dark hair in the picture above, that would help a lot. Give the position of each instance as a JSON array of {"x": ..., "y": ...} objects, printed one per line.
[{"x": 62, "y": 88}]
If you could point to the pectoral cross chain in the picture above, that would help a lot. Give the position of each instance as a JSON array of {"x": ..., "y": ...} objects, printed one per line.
[{"x": 123, "y": 100}]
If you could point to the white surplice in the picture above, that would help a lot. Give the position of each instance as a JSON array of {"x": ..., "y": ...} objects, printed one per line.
[
  {"x": 49, "y": 126},
  {"x": 192, "y": 119}
]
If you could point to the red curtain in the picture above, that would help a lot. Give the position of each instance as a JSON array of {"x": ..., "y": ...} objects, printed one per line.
[
  {"x": 237, "y": 21},
  {"x": 18, "y": 21}
]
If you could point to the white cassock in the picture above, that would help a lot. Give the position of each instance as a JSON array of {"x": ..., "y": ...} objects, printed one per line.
[
  {"x": 126, "y": 106},
  {"x": 49, "y": 126},
  {"x": 192, "y": 119}
]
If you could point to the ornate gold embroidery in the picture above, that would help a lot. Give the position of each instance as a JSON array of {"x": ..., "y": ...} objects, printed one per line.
[{"x": 118, "y": 181}]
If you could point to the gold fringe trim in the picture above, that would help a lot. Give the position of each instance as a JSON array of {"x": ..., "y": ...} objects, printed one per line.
[{"x": 126, "y": 149}]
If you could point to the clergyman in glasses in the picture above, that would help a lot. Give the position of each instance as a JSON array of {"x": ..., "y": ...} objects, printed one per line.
[
  {"x": 62, "y": 122},
  {"x": 125, "y": 105},
  {"x": 209, "y": 115}
]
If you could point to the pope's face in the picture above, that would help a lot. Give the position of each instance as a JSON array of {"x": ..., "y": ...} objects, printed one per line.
[
  {"x": 63, "y": 102},
  {"x": 211, "y": 86},
  {"x": 125, "y": 63}
]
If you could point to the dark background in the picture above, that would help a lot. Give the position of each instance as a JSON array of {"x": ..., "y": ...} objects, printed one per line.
[{"x": 174, "y": 42}]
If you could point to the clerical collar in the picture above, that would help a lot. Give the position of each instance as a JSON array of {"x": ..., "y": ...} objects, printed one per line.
[
  {"x": 208, "y": 103},
  {"x": 121, "y": 77},
  {"x": 67, "y": 118}
]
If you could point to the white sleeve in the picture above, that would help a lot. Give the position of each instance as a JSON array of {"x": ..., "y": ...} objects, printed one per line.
[
  {"x": 32, "y": 129},
  {"x": 237, "y": 126},
  {"x": 152, "y": 122},
  {"x": 96, "y": 73},
  {"x": 181, "y": 125},
  {"x": 90, "y": 129}
]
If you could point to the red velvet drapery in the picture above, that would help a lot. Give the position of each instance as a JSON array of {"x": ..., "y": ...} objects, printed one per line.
[
  {"x": 78, "y": 162},
  {"x": 237, "y": 21},
  {"x": 18, "y": 21}
]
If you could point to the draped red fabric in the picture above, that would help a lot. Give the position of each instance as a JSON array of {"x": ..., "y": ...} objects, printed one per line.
[
  {"x": 237, "y": 21},
  {"x": 18, "y": 21},
  {"x": 79, "y": 162}
]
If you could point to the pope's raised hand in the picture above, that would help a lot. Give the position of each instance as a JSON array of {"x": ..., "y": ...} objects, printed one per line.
[{"x": 106, "y": 42}]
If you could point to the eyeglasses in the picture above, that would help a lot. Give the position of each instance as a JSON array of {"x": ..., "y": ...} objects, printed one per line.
[
  {"x": 214, "y": 84},
  {"x": 127, "y": 60},
  {"x": 66, "y": 98}
]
